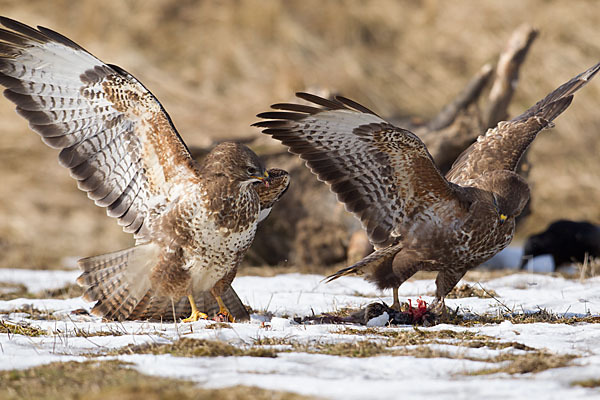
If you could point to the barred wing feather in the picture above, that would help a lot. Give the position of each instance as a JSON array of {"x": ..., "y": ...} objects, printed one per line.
[
  {"x": 112, "y": 133},
  {"x": 383, "y": 174}
]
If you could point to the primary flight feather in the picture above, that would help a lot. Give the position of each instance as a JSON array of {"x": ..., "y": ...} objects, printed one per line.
[
  {"x": 416, "y": 218},
  {"x": 192, "y": 222}
]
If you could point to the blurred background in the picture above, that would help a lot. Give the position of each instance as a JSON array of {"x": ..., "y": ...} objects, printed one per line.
[{"x": 215, "y": 64}]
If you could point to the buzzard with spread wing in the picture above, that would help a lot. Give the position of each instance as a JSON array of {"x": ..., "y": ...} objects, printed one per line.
[
  {"x": 192, "y": 222},
  {"x": 416, "y": 218}
]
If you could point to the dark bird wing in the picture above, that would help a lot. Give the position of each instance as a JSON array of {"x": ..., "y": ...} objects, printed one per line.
[
  {"x": 501, "y": 148},
  {"x": 112, "y": 133},
  {"x": 383, "y": 174},
  {"x": 278, "y": 181}
]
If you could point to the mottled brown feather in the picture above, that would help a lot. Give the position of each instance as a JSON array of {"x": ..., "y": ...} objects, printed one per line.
[
  {"x": 416, "y": 218},
  {"x": 502, "y": 147},
  {"x": 192, "y": 223}
]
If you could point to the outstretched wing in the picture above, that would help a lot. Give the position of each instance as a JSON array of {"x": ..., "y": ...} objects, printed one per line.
[
  {"x": 383, "y": 174},
  {"x": 501, "y": 148},
  {"x": 113, "y": 134},
  {"x": 278, "y": 183}
]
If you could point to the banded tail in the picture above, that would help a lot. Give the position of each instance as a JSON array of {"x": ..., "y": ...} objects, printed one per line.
[
  {"x": 119, "y": 282},
  {"x": 369, "y": 263}
]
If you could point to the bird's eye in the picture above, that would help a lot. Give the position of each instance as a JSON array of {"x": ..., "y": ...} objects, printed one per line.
[{"x": 252, "y": 171}]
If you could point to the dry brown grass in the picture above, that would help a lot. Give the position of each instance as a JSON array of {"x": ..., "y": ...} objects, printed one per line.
[
  {"x": 421, "y": 344},
  {"x": 588, "y": 383},
  {"x": 186, "y": 347},
  {"x": 531, "y": 362},
  {"x": 20, "y": 329},
  {"x": 9, "y": 291},
  {"x": 466, "y": 290},
  {"x": 215, "y": 64},
  {"x": 589, "y": 268},
  {"x": 112, "y": 380}
]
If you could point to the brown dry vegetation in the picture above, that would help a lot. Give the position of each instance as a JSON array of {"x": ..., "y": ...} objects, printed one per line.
[
  {"x": 186, "y": 347},
  {"x": 215, "y": 64},
  {"x": 114, "y": 380},
  {"x": 376, "y": 342}
]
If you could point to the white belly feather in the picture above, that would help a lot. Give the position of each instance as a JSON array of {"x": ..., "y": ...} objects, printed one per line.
[{"x": 216, "y": 250}]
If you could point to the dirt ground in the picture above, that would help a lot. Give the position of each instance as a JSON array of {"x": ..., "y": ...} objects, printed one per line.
[{"x": 215, "y": 64}]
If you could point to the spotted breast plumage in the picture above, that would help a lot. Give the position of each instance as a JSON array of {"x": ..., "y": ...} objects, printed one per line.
[
  {"x": 416, "y": 218},
  {"x": 192, "y": 222}
]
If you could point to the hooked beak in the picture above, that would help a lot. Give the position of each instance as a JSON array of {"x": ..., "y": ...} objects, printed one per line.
[{"x": 264, "y": 179}]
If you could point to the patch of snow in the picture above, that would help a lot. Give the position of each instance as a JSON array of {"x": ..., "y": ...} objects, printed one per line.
[
  {"x": 73, "y": 337},
  {"x": 38, "y": 280}
]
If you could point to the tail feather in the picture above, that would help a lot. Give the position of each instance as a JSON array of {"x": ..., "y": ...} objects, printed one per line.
[
  {"x": 119, "y": 284},
  {"x": 142, "y": 306},
  {"x": 104, "y": 261},
  {"x": 369, "y": 263},
  {"x": 160, "y": 308},
  {"x": 154, "y": 307},
  {"x": 235, "y": 305},
  {"x": 116, "y": 302},
  {"x": 118, "y": 281},
  {"x": 90, "y": 277},
  {"x": 103, "y": 290}
]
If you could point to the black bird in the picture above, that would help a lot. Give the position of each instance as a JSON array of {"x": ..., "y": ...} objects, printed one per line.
[{"x": 566, "y": 241}]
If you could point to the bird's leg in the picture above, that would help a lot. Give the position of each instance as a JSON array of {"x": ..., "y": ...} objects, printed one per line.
[
  {"x": 445, "y": 282},
  {"x": 436, "y": 312},
  {"x": 438, "y": 306},
  {"x": 196, "y": 315},
  {"x": 223, "y": 308},
  {"x": 396, "y": 303}
]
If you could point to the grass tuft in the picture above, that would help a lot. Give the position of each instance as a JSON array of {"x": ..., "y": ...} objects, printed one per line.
[
  {"x": 588, "y": 383},
  {"x": 531, "y": 362},
  {"x": 20, "y": 329},
  {"x": 360, "y": 349},
  {"x": 186, "y": 347},
  {"x": 542, "y": 315},
  {"x": 113, "y": 380},
  {"x": 466, "y": 290}
]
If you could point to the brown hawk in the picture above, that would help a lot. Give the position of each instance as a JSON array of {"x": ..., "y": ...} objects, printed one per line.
[
  {"x": 192, "y": 222},
  {"x": 416, "y": 218}
]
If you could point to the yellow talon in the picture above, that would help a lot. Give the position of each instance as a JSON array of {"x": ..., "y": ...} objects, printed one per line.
[
  {"x": 223, "y": 311},
  {"x": 196, "y": 315}
]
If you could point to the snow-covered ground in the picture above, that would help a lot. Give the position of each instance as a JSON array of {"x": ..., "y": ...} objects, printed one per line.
[{"x": 286, "y": 296}]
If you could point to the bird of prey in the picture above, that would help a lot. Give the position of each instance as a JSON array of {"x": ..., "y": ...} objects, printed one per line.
[
  {"x": 416, "y": 218},
  {"x": 192, "y": 222}
]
